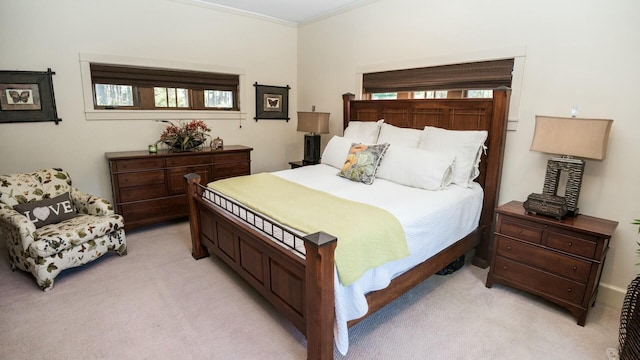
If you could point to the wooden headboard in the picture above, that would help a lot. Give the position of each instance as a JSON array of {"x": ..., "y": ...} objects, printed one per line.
[{"x": 453, "y": 114}]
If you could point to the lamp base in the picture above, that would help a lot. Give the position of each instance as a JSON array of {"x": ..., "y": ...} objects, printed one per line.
[
  {"x": 575, "y": 170},
  {"x": 311, "y": 149}
]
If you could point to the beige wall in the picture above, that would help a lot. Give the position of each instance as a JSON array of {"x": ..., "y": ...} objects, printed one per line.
[
  {"x": 577, "y": 53},
  {"x": 39, "y": 34}
]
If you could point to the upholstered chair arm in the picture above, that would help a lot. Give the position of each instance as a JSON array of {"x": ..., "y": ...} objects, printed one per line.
[
  {"x": 16, "y": 228},
  {"x": 90, "y": 204}
]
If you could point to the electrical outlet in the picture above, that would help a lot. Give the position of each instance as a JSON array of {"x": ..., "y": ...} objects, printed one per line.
[{"x": 574, "y": 111}]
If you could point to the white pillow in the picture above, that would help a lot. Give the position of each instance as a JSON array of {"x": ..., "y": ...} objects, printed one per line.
[
  {"x": 336, "y": 151},
  {"x": 465, "y": 145},
  {"x": 417, "y": 168},
  {"x": 365, "y": 132},
  {"x": 398, "y": 136}
]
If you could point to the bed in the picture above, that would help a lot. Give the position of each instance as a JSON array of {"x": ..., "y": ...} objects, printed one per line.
[{"x": 295, "y": 271}]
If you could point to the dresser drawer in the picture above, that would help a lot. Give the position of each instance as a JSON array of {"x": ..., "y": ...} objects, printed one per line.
[
  {"x": 562, "y": 265},
  {"x": 176, "y": 181},
  {"x": 571, "y": 243},
  {"x": 141, "y": 178},
  {"x": 136, "y": 193},
  {"x": 189, "y": 160},
  {"x": 231, "y": 157},
  {"x": 221, "y": 171},
  {"x": 157, "y": 209},
  {"x": 137, "y": 164},
  {"x": 522, "y": 230},
  {"x": 538, "y": 281}
]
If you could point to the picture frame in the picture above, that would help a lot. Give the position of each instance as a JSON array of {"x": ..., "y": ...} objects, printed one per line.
[
  {"x": 27, "y": 96},
  {"x": 272, "y": 102}
]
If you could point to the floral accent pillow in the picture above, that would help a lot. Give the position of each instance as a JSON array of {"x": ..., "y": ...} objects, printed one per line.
[
  {"x": 362, "y": 162},
  {"x": 48, "y": 211}
]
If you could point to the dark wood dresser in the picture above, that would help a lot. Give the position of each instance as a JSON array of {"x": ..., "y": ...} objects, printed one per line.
[
  {"x": 150, "y": 188},
  {"x": 559, "y": 260}
]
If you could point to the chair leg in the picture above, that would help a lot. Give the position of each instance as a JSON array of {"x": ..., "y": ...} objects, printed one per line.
[{"x": 45, "y": 285}]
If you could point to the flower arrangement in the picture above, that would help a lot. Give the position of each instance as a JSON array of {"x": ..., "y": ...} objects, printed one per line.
[{"x": 185, "y": 136}]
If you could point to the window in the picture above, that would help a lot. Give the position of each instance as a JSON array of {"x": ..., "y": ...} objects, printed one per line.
[
  {"x": 218, "y": 99},
  {"x": 139, "y": 88},
  {"x": 472, "y": 80},
  {"x": 431, "y": 94},
  {"x": 170, "y": 97},
  {"x": 109, "y": 95},
  {"x": 384, "y": 96}
]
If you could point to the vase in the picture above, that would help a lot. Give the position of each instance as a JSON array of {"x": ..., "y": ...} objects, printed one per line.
[{"x": 179, "y": 146}]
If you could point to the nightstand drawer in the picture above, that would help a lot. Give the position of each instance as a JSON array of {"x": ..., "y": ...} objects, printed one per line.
[
  {"x": 521, "y": 230},
  {"x": 540, "y": 282},
  {"x": 572, "y": 244},
  {"x": 562, "y": 265}
]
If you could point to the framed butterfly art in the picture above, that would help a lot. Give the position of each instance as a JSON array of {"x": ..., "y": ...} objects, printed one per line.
[
  {"x": 27, "y": 96},
  {"x": 272, "y": 102}
]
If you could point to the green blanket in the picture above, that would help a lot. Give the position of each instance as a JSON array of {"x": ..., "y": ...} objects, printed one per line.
[{"x": 367, "y": 236}]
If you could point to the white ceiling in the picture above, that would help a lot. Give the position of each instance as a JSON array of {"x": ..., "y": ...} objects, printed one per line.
[{"x": 295, "y": 11}]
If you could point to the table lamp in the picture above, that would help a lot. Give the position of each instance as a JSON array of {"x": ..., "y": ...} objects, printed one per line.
[
  {"x": 314, "y": 123},
  {"x": 572, "y": 139}
]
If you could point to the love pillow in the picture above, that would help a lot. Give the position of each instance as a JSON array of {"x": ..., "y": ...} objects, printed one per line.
[{"x": 48, "y": 211}]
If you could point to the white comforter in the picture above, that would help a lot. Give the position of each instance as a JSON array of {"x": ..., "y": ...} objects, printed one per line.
[{"x": 432, "y": 220}]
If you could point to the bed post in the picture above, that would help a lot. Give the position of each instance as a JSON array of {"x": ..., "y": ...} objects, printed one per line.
[
  {"x": 346, "y": 109},
  {"x": 497, "y": 140},
  {"x": 198, "y": 251},
  {"x": 319, "y": 295}
]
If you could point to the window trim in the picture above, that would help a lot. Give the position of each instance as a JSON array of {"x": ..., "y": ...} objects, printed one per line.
[{"x": 92, "y": 113}]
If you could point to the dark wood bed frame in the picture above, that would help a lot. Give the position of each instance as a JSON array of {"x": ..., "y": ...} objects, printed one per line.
[{"x": 302, "y": 289}]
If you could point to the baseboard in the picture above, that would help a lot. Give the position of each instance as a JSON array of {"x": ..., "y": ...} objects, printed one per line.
[{"x": 611, "y": 295}]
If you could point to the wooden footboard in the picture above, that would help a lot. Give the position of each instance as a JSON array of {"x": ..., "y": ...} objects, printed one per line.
[{"x": 300, "y": 289}]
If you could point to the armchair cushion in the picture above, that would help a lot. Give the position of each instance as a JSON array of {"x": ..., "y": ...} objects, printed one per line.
[
  {"x": 48, "y": 211},
  {"x": 53, "y": 238}
]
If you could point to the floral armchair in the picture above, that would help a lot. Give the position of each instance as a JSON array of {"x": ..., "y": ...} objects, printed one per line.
[{"x": 37, "y": 242}]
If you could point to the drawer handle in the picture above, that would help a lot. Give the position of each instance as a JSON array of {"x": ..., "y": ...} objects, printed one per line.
[
  {"x": 509, "y": 247},
  {"x": 504, "y": 268},
  {"x": 570, "y": 243},
  {"x": 519, "y": 231},
  {"x": 569, "y": 289},
  {"x": 575, "y": 268}
]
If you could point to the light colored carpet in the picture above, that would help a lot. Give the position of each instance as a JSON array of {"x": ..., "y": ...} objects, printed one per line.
[{"x": 159, "y": 303}]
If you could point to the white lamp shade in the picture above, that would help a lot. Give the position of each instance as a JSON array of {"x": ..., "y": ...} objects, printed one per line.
[
  {"x": 583, "y": 138},
  {"x": 313, "y": 122}
]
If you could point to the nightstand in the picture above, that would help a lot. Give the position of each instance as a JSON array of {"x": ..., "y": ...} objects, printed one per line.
[
  {"x": 297, "y": 164},
  {"x": 558, "y": 260}
]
